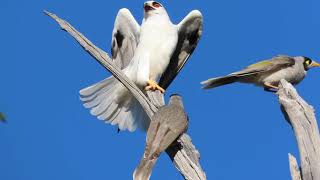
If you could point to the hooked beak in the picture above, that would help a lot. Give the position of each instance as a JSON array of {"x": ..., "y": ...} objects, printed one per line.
[
  {"x": 314, "y": 64},
  {"x": 147, "y": 7}
]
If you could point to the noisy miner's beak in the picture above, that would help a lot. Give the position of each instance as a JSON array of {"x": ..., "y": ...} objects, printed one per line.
[{"x": 314, "y": 64}]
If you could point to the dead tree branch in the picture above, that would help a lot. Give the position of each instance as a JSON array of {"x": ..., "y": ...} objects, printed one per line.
[
  {"x": 183, "y": 153},
  {"x": 301, "y": 117},
  {"x": 294, "y": 168}
]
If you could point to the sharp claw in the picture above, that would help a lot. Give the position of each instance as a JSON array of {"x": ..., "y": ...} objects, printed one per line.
[
  {"x": 147, "y": 88},
  {"x": 152, "y": 85},
  {"x": 161, "y": 90}
]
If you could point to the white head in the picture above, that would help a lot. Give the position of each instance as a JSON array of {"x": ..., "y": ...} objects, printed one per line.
[{"x": 153, "y": 8}]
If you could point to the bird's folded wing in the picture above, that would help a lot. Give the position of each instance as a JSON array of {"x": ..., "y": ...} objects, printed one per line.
[
  {"x": 276, "y": 63},
  {"x": 190, "y": 30},
  {"x": 125, "y": 37}
]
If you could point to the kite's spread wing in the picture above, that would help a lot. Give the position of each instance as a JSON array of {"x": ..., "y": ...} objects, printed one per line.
[
  {"x": 108, "y": 99},
  {"x": 125, "y": 37},
  {"x": 190, "y": 30}
]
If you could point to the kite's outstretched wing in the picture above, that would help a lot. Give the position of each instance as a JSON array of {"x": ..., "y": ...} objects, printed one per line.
[
  {"x": 190, "y": 30},
  {"x": 125, "y": 38},
  {"x": 108, "y": 99}
]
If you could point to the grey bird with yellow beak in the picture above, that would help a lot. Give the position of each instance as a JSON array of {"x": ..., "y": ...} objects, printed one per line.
[{"x": 268, "y": 73}]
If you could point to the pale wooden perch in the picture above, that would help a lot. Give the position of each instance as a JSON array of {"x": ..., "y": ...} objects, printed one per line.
[
  {"x": 301, "y": 117},
  {"x": 183, "y": 153}
]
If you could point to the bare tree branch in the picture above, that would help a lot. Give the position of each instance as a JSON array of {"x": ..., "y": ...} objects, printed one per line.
[
  {"x": 294, "y": 168},
  {"x": 183, "y": 153},
  {"x": 186, "y": 158},
  {"x": 301, "y": 117}
]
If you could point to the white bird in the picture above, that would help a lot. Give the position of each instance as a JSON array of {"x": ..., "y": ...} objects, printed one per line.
[{"x": 156, "y": 50}]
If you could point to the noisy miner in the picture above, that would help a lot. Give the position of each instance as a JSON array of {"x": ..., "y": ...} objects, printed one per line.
[
  {"x": 268, "y": 73},
  {"x": 167, "y": 124}
]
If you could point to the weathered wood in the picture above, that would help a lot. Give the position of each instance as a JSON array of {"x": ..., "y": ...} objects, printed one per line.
[
  {"x": 301, "y": 117},
  {"x": 156, "y": 97},
  {"x": 294, "y": 168},
  {"x": 186, "y": 158}
]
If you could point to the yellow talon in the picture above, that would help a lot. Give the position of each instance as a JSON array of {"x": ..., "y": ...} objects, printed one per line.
[
  {"x": 270, "y": 86},
  {"x": 152, "y": 85}
]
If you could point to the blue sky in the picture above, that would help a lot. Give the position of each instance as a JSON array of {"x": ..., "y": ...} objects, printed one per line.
[{"x": 238, "y": 129}]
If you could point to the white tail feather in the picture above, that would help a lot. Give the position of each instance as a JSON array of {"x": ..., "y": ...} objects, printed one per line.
[{"x": 111, "y": 101}]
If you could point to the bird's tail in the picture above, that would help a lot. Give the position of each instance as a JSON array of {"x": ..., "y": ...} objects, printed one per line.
[
  {"x": 110, "y": 101},
  {"x": 144, "y": 170},
  {"x": 216, "y": 82}
]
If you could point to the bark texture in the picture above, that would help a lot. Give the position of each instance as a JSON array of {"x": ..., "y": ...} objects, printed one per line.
[{"x": 301, "y": 117}]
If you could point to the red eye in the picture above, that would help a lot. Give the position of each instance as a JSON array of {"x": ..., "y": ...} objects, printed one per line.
[{"x": 156, "y": 5}]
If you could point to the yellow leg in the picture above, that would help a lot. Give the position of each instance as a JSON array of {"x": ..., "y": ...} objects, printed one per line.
[
  {"x": 152, "y": 85},
  {"x": 269, "y": 86}
]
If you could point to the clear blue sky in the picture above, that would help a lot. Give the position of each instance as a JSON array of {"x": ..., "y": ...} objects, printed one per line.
[{"x": 238, "y": 129}]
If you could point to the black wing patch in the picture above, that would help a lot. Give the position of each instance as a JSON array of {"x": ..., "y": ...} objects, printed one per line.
[
  {"x": 119, "y": 38},
  {"x": 190, "y": 30}
]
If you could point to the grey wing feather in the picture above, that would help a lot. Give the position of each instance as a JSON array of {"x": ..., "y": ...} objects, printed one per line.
[
  {"x": 125, "y": 38},
  {"x": 190, "y": 30},
  {"x": 276, "y": 63}
]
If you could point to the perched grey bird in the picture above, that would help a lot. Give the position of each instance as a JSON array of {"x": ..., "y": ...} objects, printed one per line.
[
  {"x": 168, "y": 123},
  {"x": 157, "y": 49},
  {"x": 268, "y": 73}
]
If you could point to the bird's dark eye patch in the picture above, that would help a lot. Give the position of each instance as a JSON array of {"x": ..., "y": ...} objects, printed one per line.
[
  {"x": 156, "y": 5},
  {"x": 307, "y": 61}
]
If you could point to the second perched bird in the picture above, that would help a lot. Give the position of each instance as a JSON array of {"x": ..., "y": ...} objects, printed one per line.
[
  {"x": 268, "y": 73},
  {"x": 167, "y": 124}
]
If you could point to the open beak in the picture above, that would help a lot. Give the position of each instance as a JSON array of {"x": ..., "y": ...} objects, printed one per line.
[
  {"x": 147, "y": 7},
  {"x": 314, "y": 64}
]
